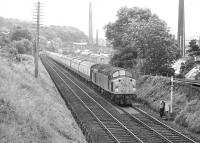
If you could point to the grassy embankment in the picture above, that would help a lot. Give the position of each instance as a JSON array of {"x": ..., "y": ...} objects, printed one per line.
[
  {"x": 30, "y": 109},
  {"x": 187, "y": 99}
]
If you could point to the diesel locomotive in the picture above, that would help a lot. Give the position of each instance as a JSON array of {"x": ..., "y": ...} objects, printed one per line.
[{"x": 113, "y": 82}]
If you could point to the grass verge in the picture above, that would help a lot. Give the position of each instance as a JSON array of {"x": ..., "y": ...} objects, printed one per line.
[{"x": 30, "y": 109}]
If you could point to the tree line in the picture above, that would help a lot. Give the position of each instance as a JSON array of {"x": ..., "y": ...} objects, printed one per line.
[{"x": 21, "y": 37}]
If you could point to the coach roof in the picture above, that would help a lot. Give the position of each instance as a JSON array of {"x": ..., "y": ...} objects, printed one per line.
[{"x": 106, "y": 69}]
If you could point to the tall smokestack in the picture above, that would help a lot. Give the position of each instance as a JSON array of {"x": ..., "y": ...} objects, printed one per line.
[
  {"x": 90, "y": 24},
  {"x": 97, "y": 38},
  {"x": 181, "y": 28}
]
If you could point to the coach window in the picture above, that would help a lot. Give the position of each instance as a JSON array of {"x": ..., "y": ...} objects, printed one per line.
[
  {"x": 111, "y": 86},
  {"x": 95, "y": 77}
]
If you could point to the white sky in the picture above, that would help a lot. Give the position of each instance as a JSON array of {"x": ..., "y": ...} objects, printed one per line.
[{"x": 76, "y": 12}]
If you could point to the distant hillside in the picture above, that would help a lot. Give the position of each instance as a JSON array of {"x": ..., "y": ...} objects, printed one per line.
[
  {"x": 19, "y": 36},
  {"x": 64, "y": 33},
  {"x": 6, "y": 24}
]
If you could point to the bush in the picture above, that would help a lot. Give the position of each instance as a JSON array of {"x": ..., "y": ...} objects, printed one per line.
[
  {"x": 20, "y": 49},
  {"x": 164, "y": 70},
  {"x": 23, "y": 46},
  {"x": 20, "y": 34},
  {"x": 189, "y": 64},
  {"x": 180, "y": 76}
]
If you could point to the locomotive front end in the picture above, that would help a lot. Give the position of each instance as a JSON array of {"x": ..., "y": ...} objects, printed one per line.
[
  {"x": 115, "y": 83},
  {"x": 124, "y": 85}
]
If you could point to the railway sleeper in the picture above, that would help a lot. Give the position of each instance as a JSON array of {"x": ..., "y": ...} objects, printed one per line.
[{"x": 86, "y": 131}]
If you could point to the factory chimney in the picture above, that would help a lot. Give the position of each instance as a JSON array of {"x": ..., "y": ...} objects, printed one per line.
[
  {"x": 181, "y": 28},
  {"x": 90, "y": 24},
  {"x": 97, "y": 38}
]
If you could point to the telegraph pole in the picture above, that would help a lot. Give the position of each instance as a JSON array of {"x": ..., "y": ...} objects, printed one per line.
[
  {"x": 37, "y": 20},
  {"x": 172, "y": 86}
]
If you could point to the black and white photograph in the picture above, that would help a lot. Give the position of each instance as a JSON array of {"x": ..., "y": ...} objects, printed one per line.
[{"x": 99, "y": 71}]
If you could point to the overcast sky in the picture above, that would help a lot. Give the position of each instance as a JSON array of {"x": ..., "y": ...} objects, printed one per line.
[{"x": 75, "y": 12}]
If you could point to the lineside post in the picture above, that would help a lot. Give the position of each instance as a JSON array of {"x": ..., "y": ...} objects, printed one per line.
[
  {"x": 172, "y": 86},
  {"x": 37, "y": 18}
]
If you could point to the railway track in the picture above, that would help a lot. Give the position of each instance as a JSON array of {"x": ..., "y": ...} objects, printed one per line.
[
  {"x": 162, "y": 129},
  {"x": 136, "y": 125},
  {"x": 187, "y": 81},
  {"x": 89, "y": 112}
]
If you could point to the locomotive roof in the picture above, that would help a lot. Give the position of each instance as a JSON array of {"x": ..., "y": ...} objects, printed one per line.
[{"x": 106, "y": 69}]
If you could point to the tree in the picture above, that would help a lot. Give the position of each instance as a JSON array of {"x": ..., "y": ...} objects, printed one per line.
[
  {"x": 20, "y": 47},
  {"x": 20, "y": 33},
  {"x": 43, "y": 43},
  {"x": 28, "y": 46},
  {"x": 23, "y": 46},
  {"x": 188, "y": 65},
  {"x": 124, "y": 59},
  {"x": 143, "y": 32},
  {"x": 194, "y": 48},
  {"x": 4, "y": 39}
]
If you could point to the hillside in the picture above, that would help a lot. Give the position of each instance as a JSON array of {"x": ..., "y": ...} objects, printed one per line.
[
  {"x": 65, "y": 33},
  {"x": 186, "y": 106},
  {"x": 31, "y": 110},
  {"x": 51, "y": 37}
]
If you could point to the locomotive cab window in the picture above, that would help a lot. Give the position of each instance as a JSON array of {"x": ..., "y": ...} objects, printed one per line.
[
  {"x": 122, "y": 72},
  {"x": 116, "y": 74}
]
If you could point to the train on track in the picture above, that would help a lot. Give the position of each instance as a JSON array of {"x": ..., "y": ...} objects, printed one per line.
[{"x": 115, "y": 83}]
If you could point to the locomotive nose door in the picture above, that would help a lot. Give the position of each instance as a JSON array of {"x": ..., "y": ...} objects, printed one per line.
[{"x": 124, "y": 85}]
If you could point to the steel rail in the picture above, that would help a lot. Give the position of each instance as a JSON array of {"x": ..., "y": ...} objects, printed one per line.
[
  {"x": 96, "y": 103},
  {"x": 164, "y": 125},
  {"x": 179, "y": 134},
  {"x": 138, "y": 120},
  {"x": 193, "y": 82},
  {"x": 143, "y": 124},
  {"x": 86, "y": 106}
]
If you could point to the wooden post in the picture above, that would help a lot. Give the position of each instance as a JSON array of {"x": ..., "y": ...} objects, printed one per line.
[
  {"x": 37, "y": 37},
  {"x": 172, "y": 85}
]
